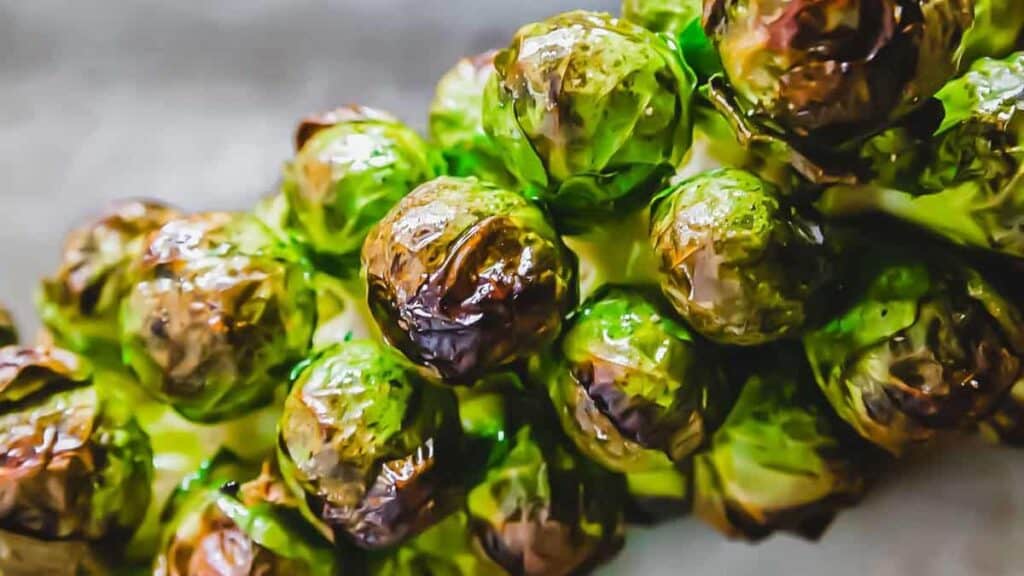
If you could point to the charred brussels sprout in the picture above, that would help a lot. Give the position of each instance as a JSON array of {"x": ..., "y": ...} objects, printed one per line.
[
  {"x": 217, "y": 315},
  {"x": 830, "y": 71},
  {"x": 967, "y": 182},
  {"x": 352, "y": 166},
  {"x": 777, "y": 463},
  {"x": 74, "y": 466},
  {"x": 635, "y": 392},
  {"x": 80, "y": 303},
  {"x": 922, "y": 345},
  {"x": 542, "y": 512},
  {"x": 998, "y": 25},
  {"x": 464, "y": 278},
  {"x": 8, "y": 331},
  {"x": 219, "y": 527},
  {"x": 456, "y": 122},
  {"x": 738, "y": 265},
  {"x": 591, "y": 113},
  {"x": 370, "y": 444}
]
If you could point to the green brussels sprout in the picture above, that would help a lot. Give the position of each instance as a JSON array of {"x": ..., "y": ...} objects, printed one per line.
[
  {"x": 739, "y": 266},
  {"x": 80, "y": 303},
  {"x": 464, "y": 278},
  {"x": 75, "y": 466},
  {"x": 998, "y": 25},
  {"x": 670, "y": 16},
  {"x": 827, "y": 72},
  {"x": 543, "y": 512},
  {"x": 448, "y": 548},
  {"x": 22, "y": 555},
  {"x": 218, "y": 526},
  {"x": 218, "y": 314},
  {"x": 635, "y": 392},
  {"x": 966, "y": 183},
  {"x": 8, "y": 331},
  {"x": 590, "y": 113},
  {"x": 777, "y": 463},
  {"x": 370, "y": 444},
  {"x": 351, "y": 167},
  {"x": 456, "y": 122},
  {"x": 924, "y": 343}
]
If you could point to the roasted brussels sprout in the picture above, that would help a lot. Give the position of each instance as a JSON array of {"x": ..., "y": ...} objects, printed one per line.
[
  {"x": 352, "y": 166},
  {"x": 26, "y": 556},
  {"x": 217, "y": 526},
  {"x": 80, "y": 303},
  {"x": 75, "y": 466},
  {"x": 456, "y": 122},
  {"x": 739, "y": 266},
  {"x": 541, "y": 511},
  {"x": 370, "y": 445},
  {"x": 671, "y": 16},
  {"x": 924, "y": 343},
  {"x": 590, "y": 113},
  {"x": 998, "y": 25},
  {"x": 1006, "y": 424},
  {"x": 218, "y": 314},
  {"x": 827, "y": 72},
  {"x": 967, "y": 182},
  {"x": 8, "y": 331},
  {"x": 635, "y": 392},
  {"x": 448, "y": 548},
  {"x": 777, "y": 463},
  {"x": 464, "y": 277}
]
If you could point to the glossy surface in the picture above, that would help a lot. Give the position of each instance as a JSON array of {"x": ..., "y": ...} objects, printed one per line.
[
  {"x": 591, "y": 113},
  {"x": 216, "y": 308},
  {"x": 835, "y": 69},
  {"x": 464, "y": 278},
  {"x": 370, "y": 443},
  {"x": 738, "y": 265}
]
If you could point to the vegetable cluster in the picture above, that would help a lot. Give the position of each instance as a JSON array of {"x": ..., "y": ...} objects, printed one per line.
[{"x": 729, "y": 258}]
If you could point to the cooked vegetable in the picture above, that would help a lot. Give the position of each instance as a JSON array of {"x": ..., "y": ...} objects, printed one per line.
[
  {"x": 635, "y": 391},
  {"x": 826, "y": 72},
  {"x": 998, "y": 25},
  {"x": 370, "y": 445},
  {"x": 219, "y": 527},
  {"x": 8, "y": 331},
  {"x": 739, "y": 266},
  {"x": 464, "y": 278},
  {"x": 590, "y": 113},
  {"x": 448, "y": 548},
  {"x": 924, "y": 343},
  {"x": 965, "y": 184},
  {"x": 671, "y": 16},
  {"x": 351, "y": 167},
  {"x": 75, "y": 466},
  {"x": 26, "y": 556},
  {"x": 80, "y": 303},
  {"x": 456, "y": 122},
  {"x": 218, "y": 314},
  {"x": 777, "y": 463}
]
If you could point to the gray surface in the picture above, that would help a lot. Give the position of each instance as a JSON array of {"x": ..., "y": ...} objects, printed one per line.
[{"x": 194, "y": 102}]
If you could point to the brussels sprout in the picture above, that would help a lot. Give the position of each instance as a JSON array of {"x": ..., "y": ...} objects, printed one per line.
[
  {"x": 25, "y": 556},
  {"x": 464, "y": 277},
  {"x": 220, "y": 527},
  {"x": 591, "y": 113},
  {"x": 8, "y": 331},
  {"x": 777, "y": 463},
  {"x": 352, "y": 166},
  {"x": 738, "y": 265},
  {"x": 635, "y": 392},
  {"x": 80, "y": 303},
  {"x": 370, "y": 444},
  {"x": 1006, "y": 424},
  {"x": 965, "y": 184},
  {"x": 446, "y": 549},
  {"x": 217, "y": 315},
  {"x": 671, "y": 16},
  {"x": 826, "y": 72},
  {"x": 998, "y": 25},
  {"x": 923, "y": 344},
  {"x": 456, "y": 122},
  {"x": 75, "y": 466},
  {"x": 543, "y": 512}
]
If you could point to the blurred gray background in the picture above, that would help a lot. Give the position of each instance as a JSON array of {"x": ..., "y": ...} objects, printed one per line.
[{"x": 194, "y": 103}]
